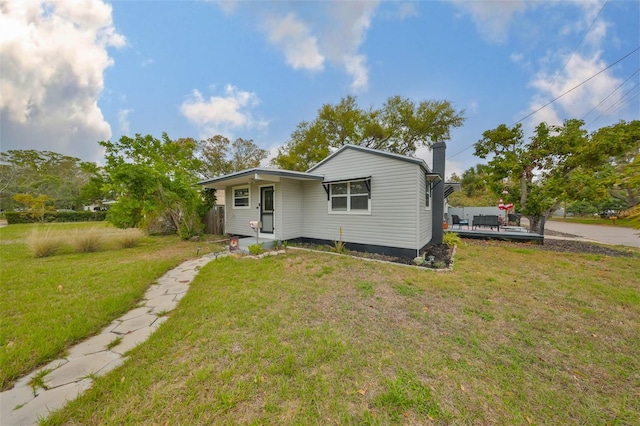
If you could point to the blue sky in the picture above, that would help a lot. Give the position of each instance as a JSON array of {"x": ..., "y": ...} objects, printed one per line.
[{"x": 74, "y": 72}]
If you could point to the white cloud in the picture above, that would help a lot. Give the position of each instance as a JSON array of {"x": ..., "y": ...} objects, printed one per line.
[
  {"x": 54, "y": 54},
  {"x": 344, "y": 34},
  {"x": 222, "y": 114},
  {"x": 332, "y": 33},
  {"x": 227, "y": 6},
  {"x": 123, "y": 121},
  {"x": 493, "y": 18},
  {"x": 473, "y": 106},
  {"x": 295, "y": 39},
  {"x": 579, "y": 101},
  {"x": 406, "y": 10}
]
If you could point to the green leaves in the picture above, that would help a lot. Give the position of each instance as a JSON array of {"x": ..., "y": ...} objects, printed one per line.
[
  {"x": 401, "y": 126},
  {"x": 220, "y": 156},
  {"x": 558, "y": 162},
  {"x": 155, "y": 181}
]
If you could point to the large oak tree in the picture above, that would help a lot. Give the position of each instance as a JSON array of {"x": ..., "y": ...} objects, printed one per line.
[
  {"x": 557, "y": 163},
  {"x": 401, "y": 126}
]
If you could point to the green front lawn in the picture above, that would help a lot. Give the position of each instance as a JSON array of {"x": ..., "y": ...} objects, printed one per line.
[
  {"x": 515, "y": 335},
  {"x": 50, "y": 303}
]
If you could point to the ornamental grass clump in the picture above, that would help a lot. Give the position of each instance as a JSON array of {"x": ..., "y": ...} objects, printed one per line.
[
  {"x": 129, "y": 238},
  {"x": 44, "y": 242},
  {"x": 88, "y": 241}
]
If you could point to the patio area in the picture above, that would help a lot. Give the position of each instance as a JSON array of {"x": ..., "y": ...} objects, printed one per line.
[{"x": 505, "y": 233}]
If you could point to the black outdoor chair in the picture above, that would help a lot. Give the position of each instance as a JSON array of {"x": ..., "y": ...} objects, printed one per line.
[
  {"x": 457, "y": 221},
  {"x": 514, "y": 219}
]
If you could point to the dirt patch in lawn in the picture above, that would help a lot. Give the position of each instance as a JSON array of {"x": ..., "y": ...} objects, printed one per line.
[
  {"x": 443, "y": 254},
  {"x": 565, "y": 246}
]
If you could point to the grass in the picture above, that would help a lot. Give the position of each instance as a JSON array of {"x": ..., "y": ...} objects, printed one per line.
[
  {"x": 620, "y": 223},
  {"x": 50, "y": 303},
  {"x": 310, "y": 338},
  {"x": 88, "y": 240}
]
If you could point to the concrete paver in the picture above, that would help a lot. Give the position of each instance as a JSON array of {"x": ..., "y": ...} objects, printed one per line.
[
  {"x": 134, "y": 313},
  {"x": 45, "y": 403},
  {"x": 134, "y": 324},
  {"x": 80, "y": 367},
  {"x": 69, "y": 377},
  {"x": 95, "y": 344},
  {"x": 166, "y": 302},
  {"x": 131, "y": 340}
]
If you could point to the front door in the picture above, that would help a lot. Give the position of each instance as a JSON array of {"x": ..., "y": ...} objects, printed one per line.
[{"x": 266, "y": 209}]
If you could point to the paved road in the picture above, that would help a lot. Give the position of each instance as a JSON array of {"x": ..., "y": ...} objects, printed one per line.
[{"x": 600, "y": 233}]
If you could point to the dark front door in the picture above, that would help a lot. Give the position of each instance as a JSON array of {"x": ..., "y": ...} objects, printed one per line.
[{"x": 266, "y": 209}]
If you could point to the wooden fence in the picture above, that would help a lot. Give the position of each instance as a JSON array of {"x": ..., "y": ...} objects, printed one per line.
[{"x": 214, "y": 221}]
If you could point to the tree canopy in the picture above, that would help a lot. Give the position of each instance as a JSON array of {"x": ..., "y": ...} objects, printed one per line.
[
  {"x": 155, "y": 183},
  {"x": 557, "y": 163},
  {"x": 59, "y": 177},
  {"x": 219, "y": 156},
  {"x": 401, "y": 126}
]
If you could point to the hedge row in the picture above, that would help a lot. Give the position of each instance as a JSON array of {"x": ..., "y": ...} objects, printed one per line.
[{"x": 66, "y": 216}]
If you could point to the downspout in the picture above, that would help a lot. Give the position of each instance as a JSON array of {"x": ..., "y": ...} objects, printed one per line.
[
  {"x": 418, "y": 215},
  {"x": 437, "y": 231}
]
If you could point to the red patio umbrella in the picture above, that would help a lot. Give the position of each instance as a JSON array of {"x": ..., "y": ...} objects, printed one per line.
[{"x": 506, "y": 208}]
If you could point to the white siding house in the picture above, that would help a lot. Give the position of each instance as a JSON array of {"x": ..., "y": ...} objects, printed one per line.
[{"x": 380, "y": 201}]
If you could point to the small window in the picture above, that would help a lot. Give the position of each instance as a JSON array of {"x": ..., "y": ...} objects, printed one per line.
[
  {"x": 349, "y": 197},
  {"x": 427, "y": 195},
  {"x": 241, "y": 197}
]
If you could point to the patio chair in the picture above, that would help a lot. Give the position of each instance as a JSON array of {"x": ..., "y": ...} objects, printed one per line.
[
  {"x": 457, "y": 221},
  {"x": 514, "y": 219}
]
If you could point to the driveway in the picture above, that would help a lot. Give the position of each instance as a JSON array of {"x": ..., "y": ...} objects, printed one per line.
[{"x": 602, "y": 234}]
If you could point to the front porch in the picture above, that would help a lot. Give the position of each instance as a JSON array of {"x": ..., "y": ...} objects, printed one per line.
[{"x": 245, "y": 242}]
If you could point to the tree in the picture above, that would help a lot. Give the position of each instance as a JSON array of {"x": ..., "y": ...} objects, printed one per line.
[
  {"x": 219, "y": 156},
  {"x": 554, "y": 164},
  {"x": 155, "y": 181},
  {"x": 36, "y": 206},
  {"x": 58, "y": 176},
  {"x": 400, "y": 126},
  {"x": 633, "y": 179}
]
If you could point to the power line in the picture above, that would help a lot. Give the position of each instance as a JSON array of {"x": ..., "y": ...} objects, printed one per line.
[
  {"x": 619, "y": 103},
  {"x": 576, "y": 86},
  {"x": 611, "y": 94},
  {"x": 560, "y": 96},
  {"x": 580, "y": 43}
]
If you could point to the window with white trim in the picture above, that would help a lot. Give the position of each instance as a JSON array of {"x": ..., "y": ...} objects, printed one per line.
[
  {"x": 427, "y": 195},
  {"x": 241, "y": 197},
  {"x": 353, "y": 196}
]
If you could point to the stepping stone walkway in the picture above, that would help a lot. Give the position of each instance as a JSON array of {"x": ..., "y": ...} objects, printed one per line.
[{"x": 65, "y": 379}]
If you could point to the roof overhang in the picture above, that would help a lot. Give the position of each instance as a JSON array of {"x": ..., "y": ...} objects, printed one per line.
[
  {"x": 451, "y": 187},
  {"x": 256, "y": 175}
]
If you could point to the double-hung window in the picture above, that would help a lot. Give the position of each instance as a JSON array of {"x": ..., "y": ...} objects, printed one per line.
[
  {"x": 241, "y": 197},
  {"x": 352, "y": 196},
  {"x": 427, "y": 195}
]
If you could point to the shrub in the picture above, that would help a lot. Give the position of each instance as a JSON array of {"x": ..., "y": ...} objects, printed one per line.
[
  {"x": 129, "y": 238},
  {"x": 44, "y": 243},
  {"x": 61, "y": 216},
  {"x": 88, "y": 241},
  {"x": 255, "y": 249},
  {"x": 451, "y": 239}
]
